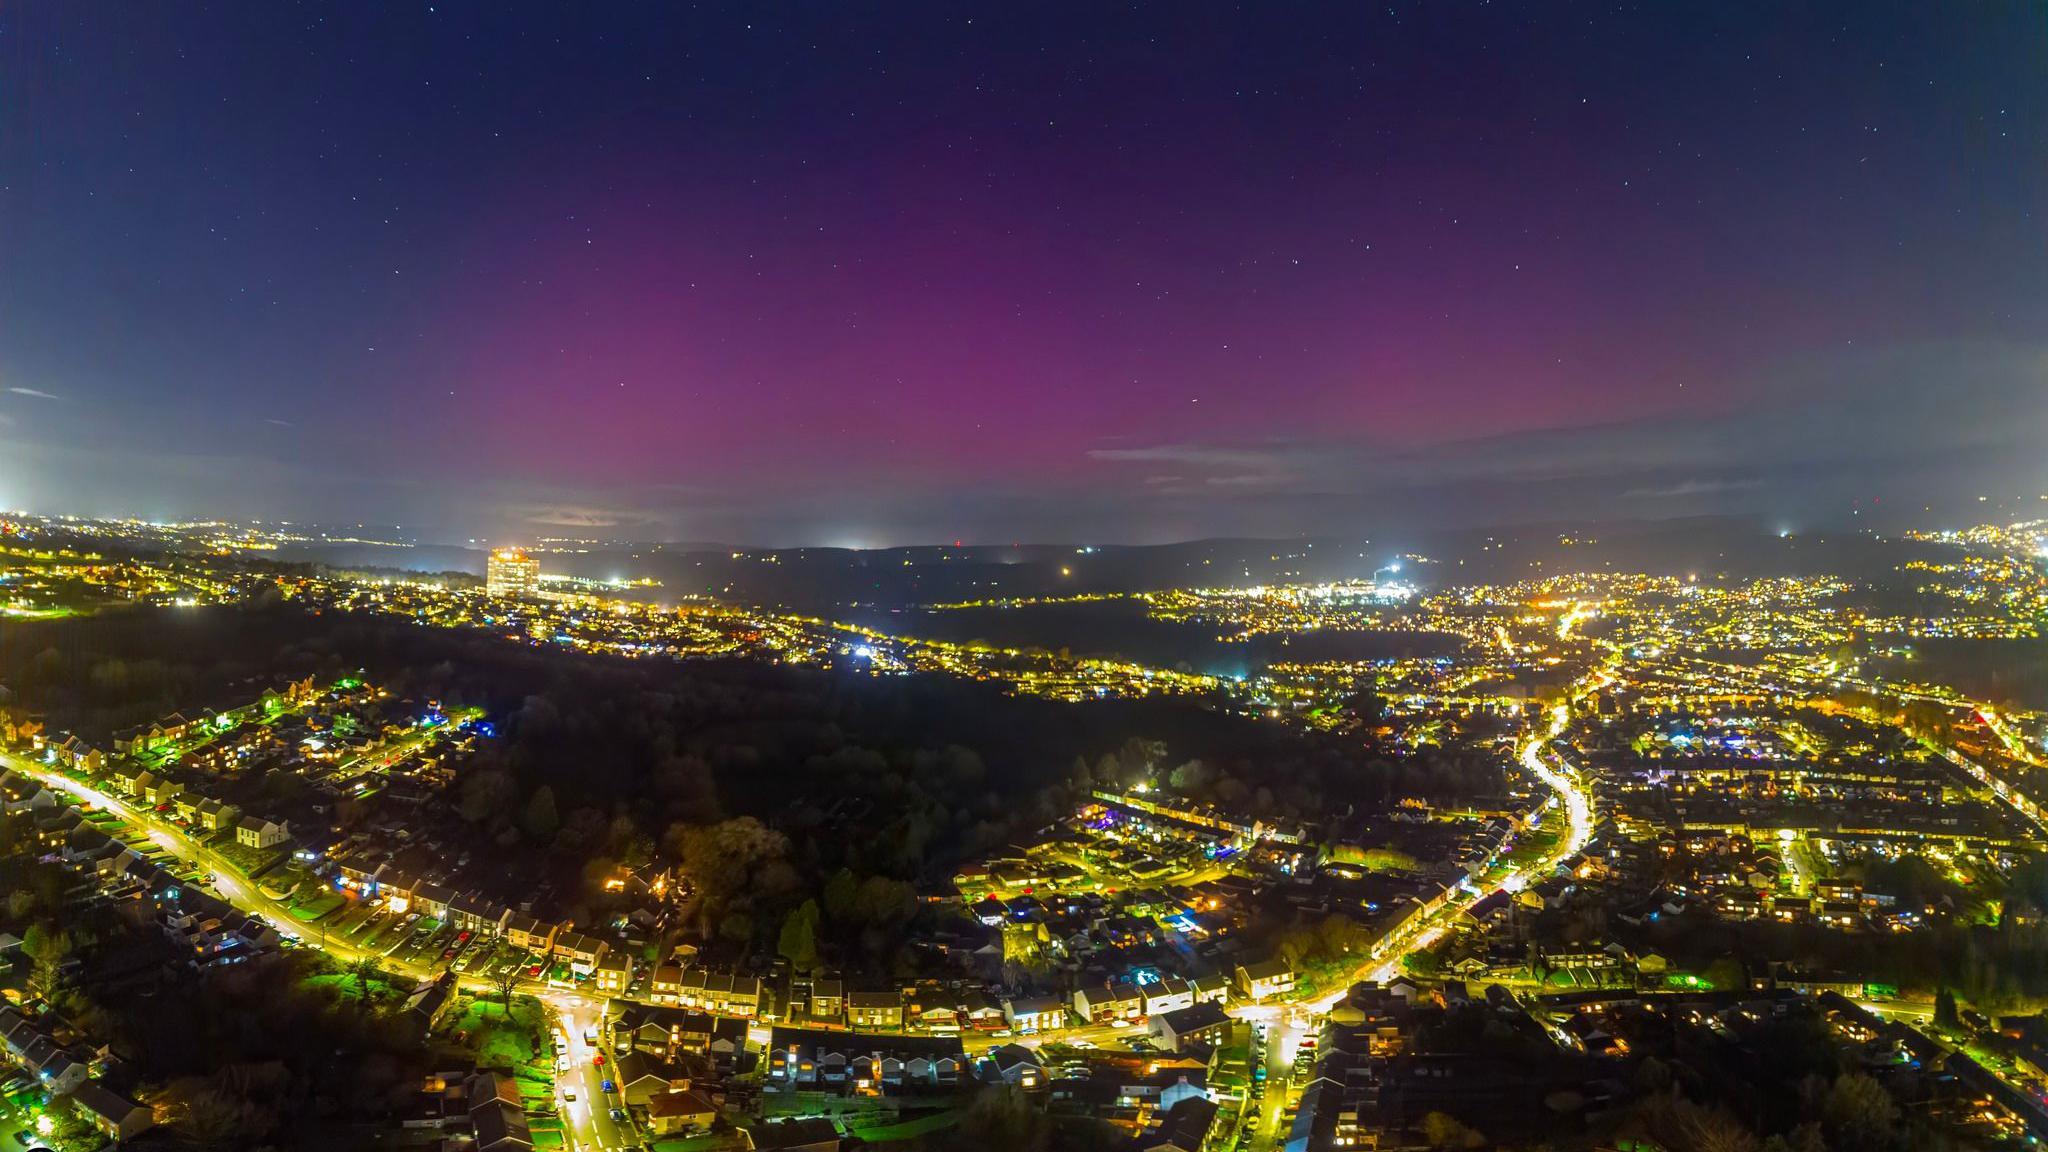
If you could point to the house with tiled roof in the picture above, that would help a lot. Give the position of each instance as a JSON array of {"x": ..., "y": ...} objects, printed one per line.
[{"x": 117, "y": 1118}]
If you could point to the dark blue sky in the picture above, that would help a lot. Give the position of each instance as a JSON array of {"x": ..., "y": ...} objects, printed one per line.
[{"x": 881, "y": 273}]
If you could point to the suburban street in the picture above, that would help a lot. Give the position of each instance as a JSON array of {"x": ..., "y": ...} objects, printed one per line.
[{"x": 586, "y": 1118}]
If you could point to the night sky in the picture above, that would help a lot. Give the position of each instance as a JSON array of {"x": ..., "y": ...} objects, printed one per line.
[{"x": 866, "y": 274}]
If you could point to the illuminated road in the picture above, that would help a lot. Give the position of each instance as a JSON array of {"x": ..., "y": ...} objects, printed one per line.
[
  {"x": 587, "y": 1124},
  {"x": 587, "y": 1121},
  {"x": 1424, "y": 931},
  {"x": 246, "y": 896},
  {"x": 1563, "y": 780}
]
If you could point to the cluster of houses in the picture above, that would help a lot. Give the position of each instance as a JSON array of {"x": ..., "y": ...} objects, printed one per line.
[
  {"x": 61, "y": 1070},
  {"x": 209, "y": 932},
  {"x": 856, "y": 1063},
  {"x": 384, "y": 878},
  {"x": 159, "y": 790},
  {"x": 659, "y": 1056},
  {"x": 483, "y": 1110}
]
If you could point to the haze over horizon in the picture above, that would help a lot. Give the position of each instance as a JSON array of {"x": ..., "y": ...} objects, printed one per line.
[{"x": 877, "y": 275}]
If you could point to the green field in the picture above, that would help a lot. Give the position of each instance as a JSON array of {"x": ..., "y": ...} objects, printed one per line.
[{"x": 900, "y": 1129}]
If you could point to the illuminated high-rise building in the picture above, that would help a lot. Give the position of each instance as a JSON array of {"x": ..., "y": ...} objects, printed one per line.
[{"x": 511, "y": 572}]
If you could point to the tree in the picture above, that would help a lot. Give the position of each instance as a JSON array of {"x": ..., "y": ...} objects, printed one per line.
[
  {"x": 47, "y": 947},
  {"x": 1945, "y": 1014},
  {"x": 364, "y": 969},
  {"x": 731, "y": 862},
  {"x": 540, "y": 820},
  {"x": 840, "y": 893},
  {"x": 1859, "y": 1112},
  {"x": 798, "y": 942},
  {"x": 1443, "y": 1130},
  {"x": 485, "y": 794},
  {"x": 507, "y": 980}
]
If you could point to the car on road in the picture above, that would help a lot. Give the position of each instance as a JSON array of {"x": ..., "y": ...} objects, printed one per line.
[
  {"x": 608, "y": 1086},
  {"x": 569, "y": 1094},
  {"x": 618, "y": 1115}
]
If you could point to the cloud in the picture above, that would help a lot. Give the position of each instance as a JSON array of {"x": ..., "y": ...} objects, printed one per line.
[
  {"x": 577, "y": 516},
  {"x": 1197, "y": 455},
  {"x": 279, "y": 423},
  {"x": 33, "y": 393},
  {"x": 1686, "y": 488},
  {"x": 1217, "y": 467},
  {"x": 1250, "y": 480}
]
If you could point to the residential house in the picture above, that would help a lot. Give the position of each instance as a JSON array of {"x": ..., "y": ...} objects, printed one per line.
[
  {"x": 1265, "y": 978},
  {"x": 665, "y": 984},
  {"x": 260, "y": 832},
  {"x": 979, "y": 1010},
  {"x": 1118, "y": 1000},
  {"x": 661, "y": 1031},
  {"x": 534, "y": 935},
  {"x": 581, "y": 952},
  {"x": 874, "y": 1010},
  {"x": 642, "y": 1076},
  {"x": 613, "y": 972},
  {"x": 497, "y": 1114},
  {"x": 117, "y": 1117},
  {"x": 430, "y": 1001},
  {"x": 38, "y": 1053},
  {"x": 124, "y": 778},
  {"x": 215, "y": 815},
  {"x": 1204, "y": 1024},
  {"x": 19, "y": 793},
  {"x": 933, "y": 1015},
  {"x": 162, "y": 790},
  {"x": 852, "y": 1062},
  {"x": 432, "y": 900},
  {"x": 726, "y": 993},
  {"x": 68, "y": 751},
  {"x": 827, "y": 999},
  {"x": 1011, "y": 1064},
  {"x": 1035, "y": 1013},
  {"x": 1184, "y": 1129},
  {"x": 674, "y": 1112},
  {"x": 1167, "y": 994},
  {"x": 472, "y": 913}
]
